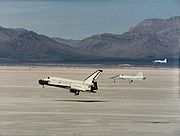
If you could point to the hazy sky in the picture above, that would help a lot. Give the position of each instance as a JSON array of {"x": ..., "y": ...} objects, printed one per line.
[{"x": 77, "y": 19}]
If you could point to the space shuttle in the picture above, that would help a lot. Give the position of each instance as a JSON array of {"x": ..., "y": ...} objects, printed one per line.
[{"x": 75, "y": 86}]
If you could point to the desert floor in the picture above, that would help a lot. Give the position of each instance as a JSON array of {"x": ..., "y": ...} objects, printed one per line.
[{"x": 141, "y": 108}]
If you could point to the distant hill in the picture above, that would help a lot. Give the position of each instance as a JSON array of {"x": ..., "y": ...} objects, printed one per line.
[
  {"x": 23, "y": 45},
  {"x": 70, "y": 42},
  {"x": 148, "y": 40}
]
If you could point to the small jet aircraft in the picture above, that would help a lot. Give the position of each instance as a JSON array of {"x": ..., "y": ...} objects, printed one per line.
[
  {"x": 139, "y": 76},
  {"x": 160, "y": 61},
  {"x": 75, "y": 86}
]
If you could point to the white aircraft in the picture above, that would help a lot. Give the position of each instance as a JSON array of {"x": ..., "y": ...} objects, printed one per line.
[
  {"x": 75, "y": 86},
  {"x": 160, "y": 61},
  {"x": 139, "y": 76}
]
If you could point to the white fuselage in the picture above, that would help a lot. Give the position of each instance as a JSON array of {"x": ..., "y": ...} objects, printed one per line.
[
  {"x": 68, "y": 83},
  {"x": 139, "y": 76},
  {"x": 130, "y": 77},
  {"x": 160, "y": 61}
]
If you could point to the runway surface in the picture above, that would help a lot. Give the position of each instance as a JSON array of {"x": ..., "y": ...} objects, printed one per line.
[{"x": 142, "y": 108}]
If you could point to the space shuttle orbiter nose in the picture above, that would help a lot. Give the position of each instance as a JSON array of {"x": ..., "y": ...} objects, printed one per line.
[{"x": 43, "y": 82}]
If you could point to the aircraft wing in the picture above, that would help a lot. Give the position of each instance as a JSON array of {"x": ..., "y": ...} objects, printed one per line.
[{"x": 77, "y": 87}]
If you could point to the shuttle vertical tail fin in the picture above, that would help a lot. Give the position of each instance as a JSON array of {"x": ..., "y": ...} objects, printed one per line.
[{"x": 93, "y": 77}]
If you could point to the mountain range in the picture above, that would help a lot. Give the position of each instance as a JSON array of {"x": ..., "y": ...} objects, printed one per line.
[{"x": 148, "y": 40}]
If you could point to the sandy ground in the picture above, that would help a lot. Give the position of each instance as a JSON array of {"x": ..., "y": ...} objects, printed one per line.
[{"x": 142, "y": 108}]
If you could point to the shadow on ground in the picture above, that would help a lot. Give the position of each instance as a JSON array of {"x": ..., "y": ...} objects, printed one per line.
[{"x": 81, "y": 100}]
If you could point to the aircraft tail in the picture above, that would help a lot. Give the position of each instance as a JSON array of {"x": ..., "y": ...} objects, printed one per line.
[
  {"x": 93, "y": 77},
  {"x": 140, "y": 74}
]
